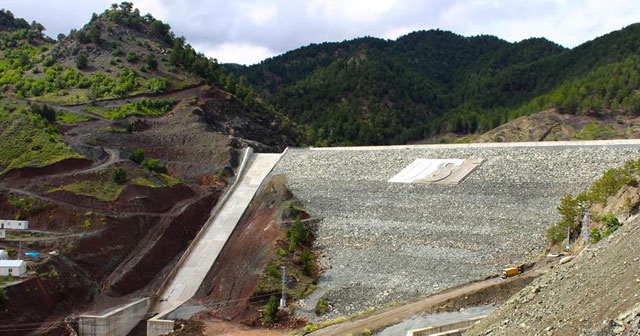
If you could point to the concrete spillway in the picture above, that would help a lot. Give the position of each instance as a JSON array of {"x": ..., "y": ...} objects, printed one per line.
[{"x": 204, "y": 251}]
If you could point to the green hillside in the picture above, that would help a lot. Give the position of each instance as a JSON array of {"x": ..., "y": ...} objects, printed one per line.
[
  {"x": 119, "y": 54},
  {"x": 430, "y": 83}
]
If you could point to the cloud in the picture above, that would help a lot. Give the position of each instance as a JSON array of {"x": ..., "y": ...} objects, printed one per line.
[{"x": 247, "y": 31}]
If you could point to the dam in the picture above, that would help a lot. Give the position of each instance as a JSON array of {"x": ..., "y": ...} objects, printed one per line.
[{"x": 388, "y": 236}]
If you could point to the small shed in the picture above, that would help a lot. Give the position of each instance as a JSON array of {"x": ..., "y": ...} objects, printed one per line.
[
  {"x": 14, "y": 224},
  {"x": 13, "y": 267},
  {"x": 4, "y": 255}
]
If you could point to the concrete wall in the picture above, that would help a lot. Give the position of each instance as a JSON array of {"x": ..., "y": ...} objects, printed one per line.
[
  {"x": 451, "y": 329},
  {"x": 118, "y": 322},
  {"x": 157, "y": 326}
]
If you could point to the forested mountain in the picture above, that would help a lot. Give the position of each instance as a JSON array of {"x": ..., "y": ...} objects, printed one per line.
[{"x": 430, "y": 83}]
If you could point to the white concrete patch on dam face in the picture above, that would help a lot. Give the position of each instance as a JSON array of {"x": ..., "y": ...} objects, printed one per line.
[{"x": 440, "y": 171}]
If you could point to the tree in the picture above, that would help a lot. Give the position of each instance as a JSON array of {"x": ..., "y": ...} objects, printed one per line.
[
  {"x": 81, "y": 61},
  {"x": 119, "y": 175},
  {"x": 271, "y": 310},
  {"x": 137, "y": 156}
]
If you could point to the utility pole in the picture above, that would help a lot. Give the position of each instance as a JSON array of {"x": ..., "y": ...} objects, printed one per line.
[{"x": 283, "y": 299}]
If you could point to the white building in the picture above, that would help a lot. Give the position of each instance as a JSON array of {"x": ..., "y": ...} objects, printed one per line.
[
  {"x": 14, "y": 224},
  {"x": 13, "y": 267},
  {"x": 4, "y": 255}
]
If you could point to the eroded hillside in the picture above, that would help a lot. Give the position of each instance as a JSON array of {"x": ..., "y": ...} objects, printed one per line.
[{"x": 118, "y": 140}]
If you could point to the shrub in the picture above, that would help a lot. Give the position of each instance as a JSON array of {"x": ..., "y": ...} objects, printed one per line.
[
  {"x": 321, "y": 307},
  {"x": 298, "y": 234},
  {"x": 82, "y": 61},
  {"x": 154, "y": 165},
  {"x": 150, "y": 63},
  {"x": 137, "y": 156},
  {"x": 132, "y": 57},
  {"x": 119, "y": 175},
  {"x": 271, "y": 310},
  {"x": 307, "y": 261}
]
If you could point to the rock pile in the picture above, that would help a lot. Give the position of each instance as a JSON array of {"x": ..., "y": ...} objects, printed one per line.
[{"x": 385, "y": 242}]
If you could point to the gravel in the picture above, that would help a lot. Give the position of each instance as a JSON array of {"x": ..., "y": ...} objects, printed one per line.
[{"x": 383, "y": 242}]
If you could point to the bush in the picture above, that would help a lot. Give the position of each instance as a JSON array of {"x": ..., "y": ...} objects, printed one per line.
[
  {"x": 307, "y": 261},
  {"x": 321, "y": 307},
  {"x": 271, "y": 310},
  {"x": 132, "y": 57},
  {"x": 150, "y": 63},
  {"x": 82, "y": 61},
  {"x": 298, "y": 234},
  {"x": 119, "y": 175},
  {"x": 137, "y": 156},
  {"x": 154, "y": 165}
]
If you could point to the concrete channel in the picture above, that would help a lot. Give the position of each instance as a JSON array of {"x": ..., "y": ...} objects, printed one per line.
[{"x": 203, "y": 252}]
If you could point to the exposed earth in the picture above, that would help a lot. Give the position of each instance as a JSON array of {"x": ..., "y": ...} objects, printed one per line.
[{"x": 108, "y": 250}]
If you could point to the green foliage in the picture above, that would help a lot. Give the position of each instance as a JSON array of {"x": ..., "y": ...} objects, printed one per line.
[
  {"x": 150, "y": 63},
  {"x": 321, "y": 307},
  {"x": 154, "y": 166},
  {"x": 44, "y": 111},
  {"x": 307, "y": 260},
  {"x": 274, "y": 271},
  {"x": 82, "y": 61},
  {"x": 29, "y": 141},
  {"x": 610, "y": 225},
  {"x": 298, "y": 234},
  {"x": 425, "y": 84},
  {"x": 137, "y": 156},
  {"x": 270, "y": 310},
  {"x": 101, "y": 190},
  {"x": 157, "y": 85},
  {"x": 597, "y": 131},
  {"x": 119, "y": 176},
  {"x": 606, "y": 186},
  {"x": 70, "y": 118},
  {"x": 144, "y": 107},
  {"x": 132, "y": 57}
]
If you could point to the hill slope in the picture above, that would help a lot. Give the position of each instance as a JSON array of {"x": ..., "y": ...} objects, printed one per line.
[
  {"x": 118, "y": 141},
  {"x": 430, "y": 83},
  {"x": 595, "y": 294}
]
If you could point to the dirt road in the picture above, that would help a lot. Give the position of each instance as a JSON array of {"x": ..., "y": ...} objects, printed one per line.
[{"x": 391, "y": 316}]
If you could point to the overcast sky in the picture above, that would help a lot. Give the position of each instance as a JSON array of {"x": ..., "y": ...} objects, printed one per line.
[{"x": 248, "y": 31}]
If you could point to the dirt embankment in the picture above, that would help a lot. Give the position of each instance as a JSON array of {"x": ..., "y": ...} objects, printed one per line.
[
  {"x": 160, "y": 248},
  {"x": 594, "y": 294},
  {"x": 228, "y": 288}
]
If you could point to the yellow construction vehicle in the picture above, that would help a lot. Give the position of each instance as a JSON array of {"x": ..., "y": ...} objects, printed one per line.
[{"x": 511, "y": 271}]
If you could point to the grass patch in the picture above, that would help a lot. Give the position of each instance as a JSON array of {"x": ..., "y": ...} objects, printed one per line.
[
  {"x": 29, "y": 141},
  {"x": 143, "y": 108},
  {"x": 67, "y": 97},
  {"x": 104, "y": 191},
  {"x": 70, "y": 118},
  {"x": 159, "y": 181}
]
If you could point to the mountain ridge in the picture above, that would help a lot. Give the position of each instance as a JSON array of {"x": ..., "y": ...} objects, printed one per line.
[{"x": 425, "y": 84}]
